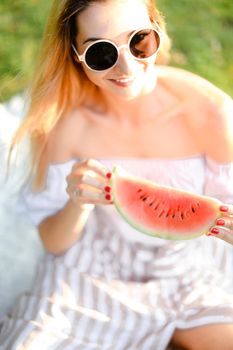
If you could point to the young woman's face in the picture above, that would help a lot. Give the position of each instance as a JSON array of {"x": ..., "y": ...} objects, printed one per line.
[{"x": 116, "y": 20}]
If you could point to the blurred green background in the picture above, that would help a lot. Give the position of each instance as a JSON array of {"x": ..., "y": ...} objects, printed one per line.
[{"x": 201, "y": 32}]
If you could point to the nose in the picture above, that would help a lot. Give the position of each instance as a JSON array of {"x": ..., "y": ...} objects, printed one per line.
[{"x": 126, "y": 62}]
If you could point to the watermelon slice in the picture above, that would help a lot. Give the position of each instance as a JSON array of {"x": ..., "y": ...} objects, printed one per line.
[{"x": 162, "y": 211}]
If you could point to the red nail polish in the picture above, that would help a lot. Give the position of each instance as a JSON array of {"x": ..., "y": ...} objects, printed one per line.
[
  {"x": 108, "y": 175},
  {"x": 107, "y": 189},
  {"x": 220, "y": 222},
  {"x": 214, "y": 230},
  {"x": 108, "y": 197},
  {"x": 224, "y": 208}
]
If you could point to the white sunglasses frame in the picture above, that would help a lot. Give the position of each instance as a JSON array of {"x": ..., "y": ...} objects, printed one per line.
[{"x": 118, "y": 48}]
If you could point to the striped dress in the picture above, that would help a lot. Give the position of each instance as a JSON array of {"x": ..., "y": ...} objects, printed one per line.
[{"x": 116, "y": 288}]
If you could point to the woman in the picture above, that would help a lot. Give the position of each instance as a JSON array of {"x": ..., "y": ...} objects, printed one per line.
[{"x": 100, "y": 96}]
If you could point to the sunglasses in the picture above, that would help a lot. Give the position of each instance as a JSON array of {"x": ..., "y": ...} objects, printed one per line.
[{"x": 103, "y": 54}]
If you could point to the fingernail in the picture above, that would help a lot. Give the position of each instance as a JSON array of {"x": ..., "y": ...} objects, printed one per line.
[
  {"x": 108, "y": 175},
  {"x": 220, "y": 222},
  {"x": 108, "y": 197},
  {"x": 224, "y": 208},
  {"x": 214, "y": 230},
  {"x": 107, "y": 189}
]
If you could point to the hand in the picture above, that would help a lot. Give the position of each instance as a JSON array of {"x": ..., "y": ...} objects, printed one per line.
[
  {"x": 89, "y": 184},
  {"x": 223, "y": 228}
]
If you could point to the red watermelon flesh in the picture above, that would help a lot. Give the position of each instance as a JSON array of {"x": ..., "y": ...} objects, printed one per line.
[{"x": 162, "y": 211}]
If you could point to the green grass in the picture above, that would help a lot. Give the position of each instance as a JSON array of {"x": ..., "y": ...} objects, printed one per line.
[
  {"x": 201, "y": 31},
  {"x": 202, "y": 36},
  {"x": 21, "y": 28}
]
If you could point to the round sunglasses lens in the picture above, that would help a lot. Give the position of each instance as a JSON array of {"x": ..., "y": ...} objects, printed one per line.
[
  {"x": 144, "y": 43},
  {"x": 101, "y": 56}
]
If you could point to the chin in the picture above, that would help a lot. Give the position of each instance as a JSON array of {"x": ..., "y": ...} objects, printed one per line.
[{"x": 130, "y": 93}]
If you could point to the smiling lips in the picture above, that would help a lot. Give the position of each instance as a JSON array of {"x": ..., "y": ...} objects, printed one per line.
[{"x": 124, "y": 82}]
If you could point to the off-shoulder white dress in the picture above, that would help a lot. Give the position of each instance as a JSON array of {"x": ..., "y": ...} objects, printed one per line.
[{"x": 116, "y": 288}]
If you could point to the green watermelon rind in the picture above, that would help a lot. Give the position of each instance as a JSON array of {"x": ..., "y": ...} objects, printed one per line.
[{"x": 164, "y": 235}]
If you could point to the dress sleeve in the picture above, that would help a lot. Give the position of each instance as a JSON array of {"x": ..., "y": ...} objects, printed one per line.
[
  {"x": 36, "y": 206},
  {"x": 219, "y": 181}
]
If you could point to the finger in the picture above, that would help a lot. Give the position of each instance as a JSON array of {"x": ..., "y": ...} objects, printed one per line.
[
  {"x": 88, "y": 179},
  {"x": 222, "y": 233},
  {"x": 78, "y": 185},
  {"x": 224, "y": 222},
  {"x": 88, "y": 194},
  {"x": 226, "y": 209},
  {"x": 92, "y": 165},
  {"x": 94, "y": 197}
]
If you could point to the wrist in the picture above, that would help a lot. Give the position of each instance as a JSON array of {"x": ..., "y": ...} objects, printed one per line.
[{"x": 80, "y": 207}]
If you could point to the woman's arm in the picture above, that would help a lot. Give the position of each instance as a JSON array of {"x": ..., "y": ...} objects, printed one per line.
[
  {"x": 87, "y": 185},
  {"x": 60, "y": 231},
  {"x": 218, "y": 143}
]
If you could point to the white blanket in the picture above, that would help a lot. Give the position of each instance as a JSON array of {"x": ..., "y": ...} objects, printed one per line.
[{"x": 20, "y": 248}]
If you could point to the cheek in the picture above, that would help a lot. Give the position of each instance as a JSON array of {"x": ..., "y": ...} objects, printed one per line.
[{"x": 94, "y": 77}]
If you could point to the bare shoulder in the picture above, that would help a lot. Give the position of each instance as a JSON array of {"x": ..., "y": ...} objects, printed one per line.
[
  {"x": 192, "y": 86},
  {"x": 208, "y": 111},
  {"x": 63, "y": 139}
]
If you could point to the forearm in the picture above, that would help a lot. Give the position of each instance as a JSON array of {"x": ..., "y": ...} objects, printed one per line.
[{"x": 60, "y": 231}]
